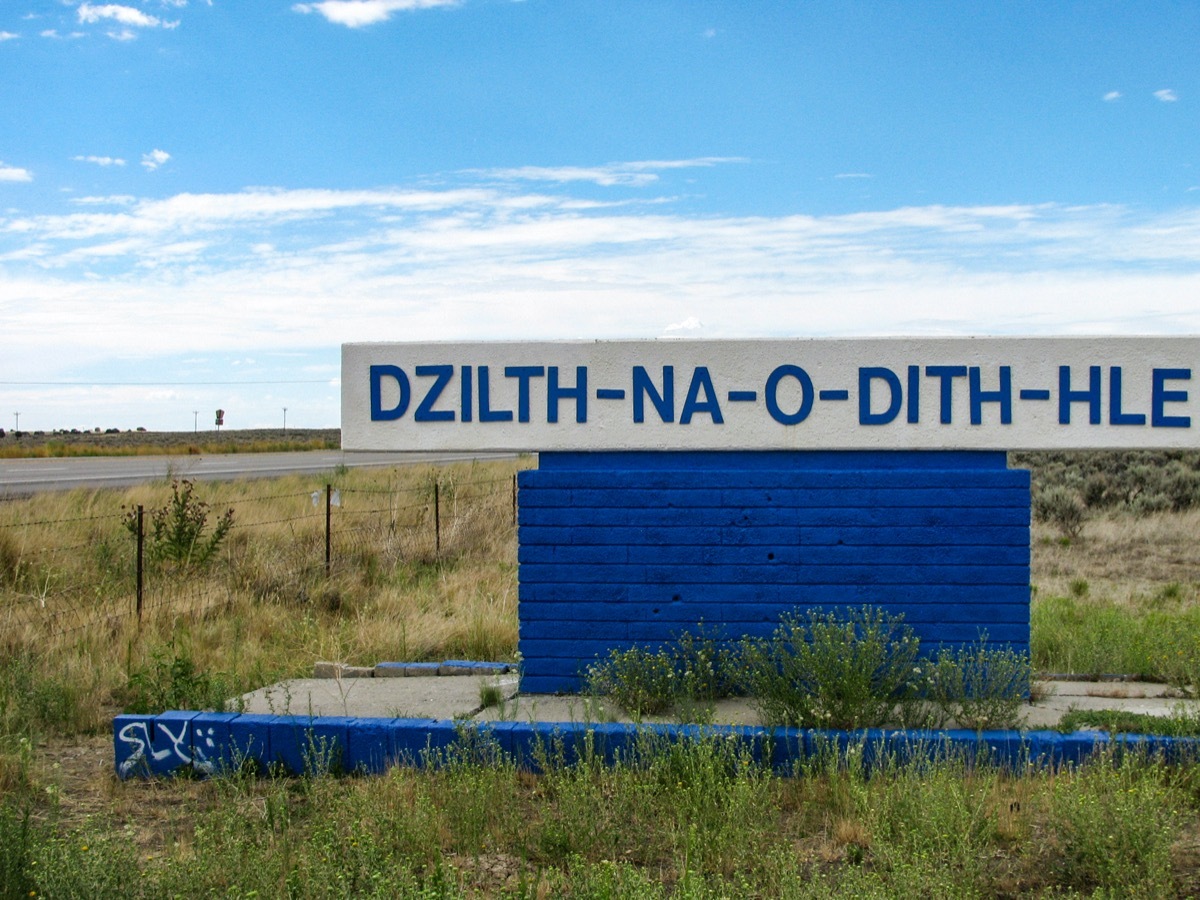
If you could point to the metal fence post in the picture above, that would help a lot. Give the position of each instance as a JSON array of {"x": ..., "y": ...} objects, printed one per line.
[
  {"x": 437, "y": 522},
  {"x": 141, "y": 546},
  {"x": 328, "y": 519},
  {"x": 514, "y": 498}
]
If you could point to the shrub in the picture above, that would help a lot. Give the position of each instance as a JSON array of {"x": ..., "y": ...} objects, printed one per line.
[
  {"x": 689, "y": 674},
  {"x": 1148, "y": 504},
  {"x": 1062, "y": 508},
  {"x": 1097, "y": 489},
  {"x": 847, "y": 668},
  {"x": 639, "y": 680},
  {"x": 706, "y": 667},
  {"x": 980, "y": 686}
]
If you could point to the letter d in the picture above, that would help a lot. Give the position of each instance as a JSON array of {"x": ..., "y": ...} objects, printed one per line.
[
  {"x": 378, "y": 373},
  {"x": 865, "y": 376}
]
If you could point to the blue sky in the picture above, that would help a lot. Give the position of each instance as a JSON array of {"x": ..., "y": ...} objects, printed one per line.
[{"x": 200, "y": 200}]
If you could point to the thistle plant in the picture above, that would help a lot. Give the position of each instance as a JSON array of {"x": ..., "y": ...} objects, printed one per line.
[{"x": 177, "y": 530}]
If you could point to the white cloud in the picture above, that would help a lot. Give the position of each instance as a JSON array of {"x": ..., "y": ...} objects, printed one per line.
[
  {"x": 123, "y": 15},
  {"x": 854, "y": 175},
  {"x": 8, "y": 36},
  {"x": 13, "y": 173},
  {"x": 103, "y": 161},
  {"x": 691, "y": 323},
  {"x": 627, "y": 174},
  {"x": 1112, "y": 96},
  {"x": 256, "y": 272},
  {"x": 1166, "y": 95},
  {"x": 114, "y": 200},
  {"x": 154, "y": 159},
  {"x": 359, "y": 13},
  {"x": 128, "y": 17}
]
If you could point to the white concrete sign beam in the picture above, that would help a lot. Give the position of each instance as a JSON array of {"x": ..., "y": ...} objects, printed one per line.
[{"x": 871, "y": 394}]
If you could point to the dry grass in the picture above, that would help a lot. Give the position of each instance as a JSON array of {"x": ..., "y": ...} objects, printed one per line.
[
  {"x": 267, "y": 610},
  {"x": 1123, "y": 558},
  {"x": 153, "y": 443},
  {"x": 264, "y": 608}
]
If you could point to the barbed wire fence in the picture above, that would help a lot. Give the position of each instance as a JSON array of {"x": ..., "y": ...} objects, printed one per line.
[{"x": 101, "y": 573}]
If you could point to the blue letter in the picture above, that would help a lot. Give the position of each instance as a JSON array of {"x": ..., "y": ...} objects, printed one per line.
[
  {"x": 865, "y": 376},
  {"x": 1066, "y": 396},
  {"x": 523, "y": 374},
  {"x": 378, "y": 373},
  {"x": 1003, "y": 396},
  {"x": 425, "y": 411},
  {"x": 1115, "y": 416},
  {"x": 579, "y": 393},
  {"x": 466, "y": 394},
  {"x": 1159, "y": 396},
  {"x": 947, "y": 374},
  {"x": 691, "y": 404},
  {"x": 806, "y": 390},
  {"x": 486, "y": 413},
  {"x": 914, "y": 394},
  {"x": 664, "y": 403}
]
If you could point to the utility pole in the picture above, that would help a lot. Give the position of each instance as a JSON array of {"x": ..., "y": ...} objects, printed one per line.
[
  {"x": 285, "y": 420},
  {"x": 17, "y": 427},
  {"x": 195, "y": 421}
]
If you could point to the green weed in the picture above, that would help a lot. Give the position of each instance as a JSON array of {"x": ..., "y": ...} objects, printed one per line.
[
  {"x": 38, "y": 698},
  {"x": 1115, "y": 823},
  {"x": 941, "y": 815},
  {"x": 1182, "y": 722},
  {"x": 639, "y": 680},
  {"x": 1099, "y": 637},
  {"x": 172, "y": 680},
  {"x": 847, "y": 668}
]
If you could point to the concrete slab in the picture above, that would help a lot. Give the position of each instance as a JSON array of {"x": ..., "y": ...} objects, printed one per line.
[
  {"x": 1060, "y": 697},
  {"x": 432, "y": 697},
  {"x": 460, "y": 696}
]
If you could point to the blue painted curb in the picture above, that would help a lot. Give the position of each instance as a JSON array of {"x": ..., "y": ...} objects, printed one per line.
[{"x": 212, "y": 743}]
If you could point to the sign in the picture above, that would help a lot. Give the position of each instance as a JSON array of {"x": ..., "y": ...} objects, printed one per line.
[
  {"x": 879, "y": 394},
  {"x": 220, "y": 417}
]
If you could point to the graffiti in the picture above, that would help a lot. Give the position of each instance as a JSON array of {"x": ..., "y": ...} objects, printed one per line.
[{"x": 138, "y": 737}]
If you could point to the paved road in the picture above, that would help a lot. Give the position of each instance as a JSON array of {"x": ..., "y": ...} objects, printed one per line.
[{"x": 27, "y": 476}]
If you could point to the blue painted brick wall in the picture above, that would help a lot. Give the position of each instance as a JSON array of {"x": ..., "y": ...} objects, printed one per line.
[{"x": 635, "y": 548}]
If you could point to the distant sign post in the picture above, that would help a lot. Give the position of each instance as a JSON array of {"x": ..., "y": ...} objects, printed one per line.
[{"x": 220, "y": 418}]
